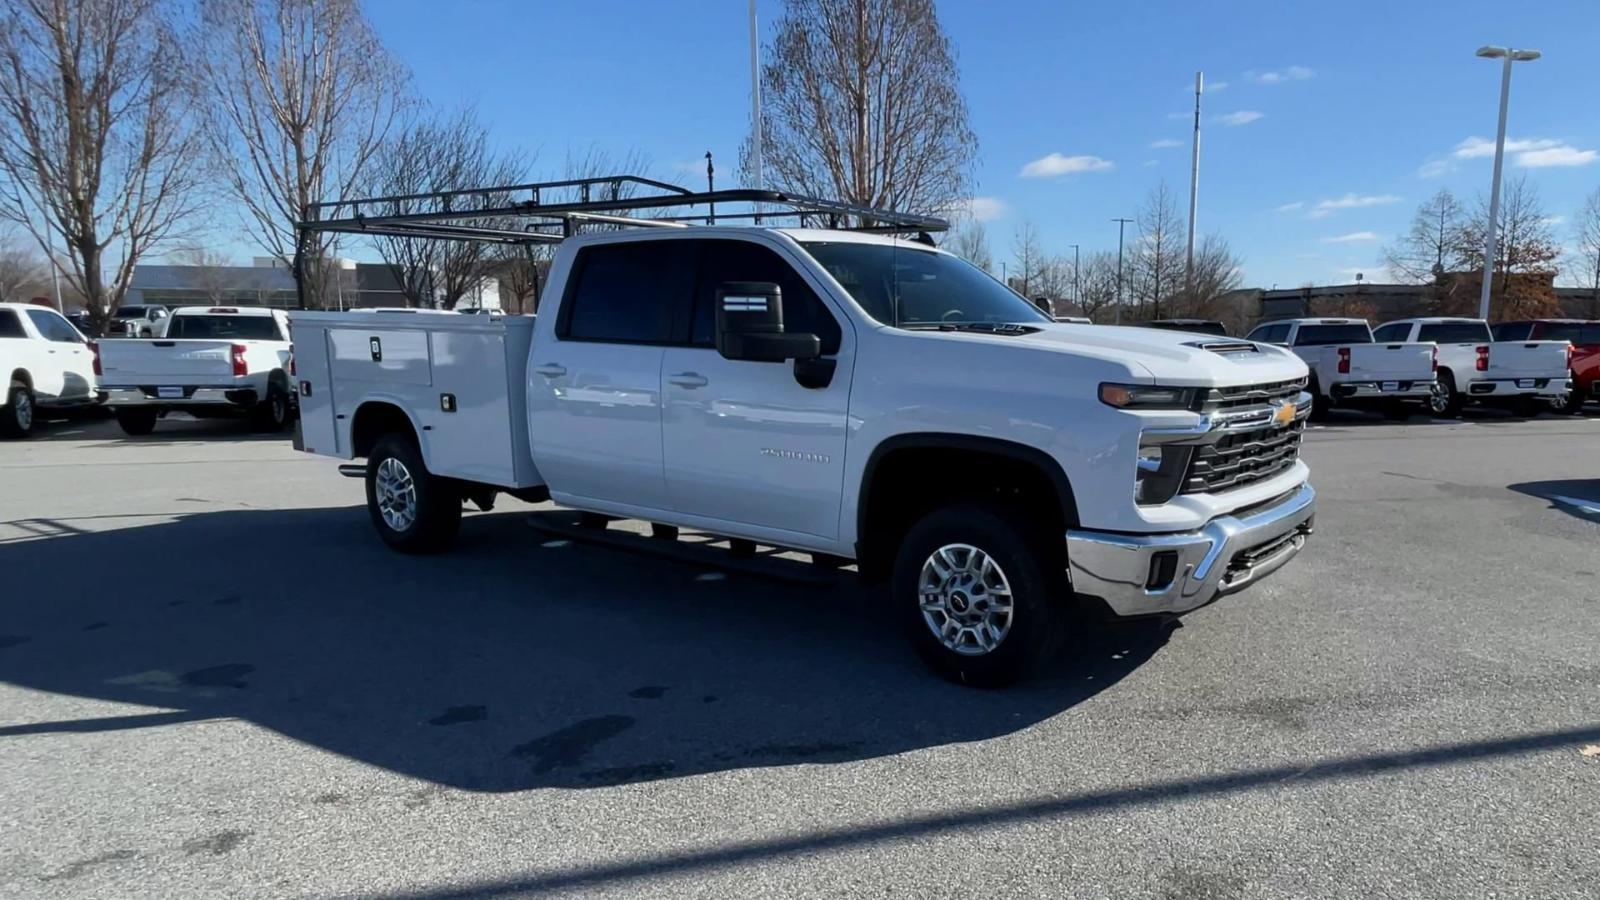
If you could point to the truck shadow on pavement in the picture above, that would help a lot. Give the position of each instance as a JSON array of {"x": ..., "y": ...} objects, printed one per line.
[
  {"x": 514, "y": 662},
  {"x": 1577, "y": 497}
]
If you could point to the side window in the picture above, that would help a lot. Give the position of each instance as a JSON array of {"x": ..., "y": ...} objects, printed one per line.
[
  {"x": 1390, "y": 334},
  {"x": 1512, "y": 331},
  {"x": 626, "y": 293},
  {"x": 54, "y": 328},
  {"x": 724, "y": 261},
  {"x": 1270, "y": 334},
  {"x": 10, "y": 325}
]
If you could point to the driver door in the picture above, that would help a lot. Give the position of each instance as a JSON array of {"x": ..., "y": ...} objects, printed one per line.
[{"x": 743, "y": 441}]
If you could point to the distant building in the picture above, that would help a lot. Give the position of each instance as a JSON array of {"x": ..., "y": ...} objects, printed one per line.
[{"x": 269, "y": 283}]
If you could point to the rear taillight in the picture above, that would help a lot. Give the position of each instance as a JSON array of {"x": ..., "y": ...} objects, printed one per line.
[
  {"x": 1482, "y": 364},
  {"x": 1344, "y": 360},
  {"x": 239, "y": 369},
  {"x": 1571, "y": 351},
  {"x": 1435, "y": 357},
  {"x": 94, "y": 351}
]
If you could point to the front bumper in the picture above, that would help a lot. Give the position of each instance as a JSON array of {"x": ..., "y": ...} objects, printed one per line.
[
  {"x": 212, "y": 395},
  {"x": 1552, "y": 388},
  {"x": 1137, "y": 575}
]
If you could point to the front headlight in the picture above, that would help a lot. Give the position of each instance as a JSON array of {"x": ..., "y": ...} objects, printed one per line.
[
  {"x": 1146, "y": 396},
  {"x": 1158, "y": 472}
]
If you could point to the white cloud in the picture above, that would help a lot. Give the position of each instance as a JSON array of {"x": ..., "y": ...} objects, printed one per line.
[
  {"x": 1434, "y": 168},
  {"x": 1242, "y": 117},
  {"x": 1289, "y": 207},
  {"x": 1474, "y": 147},
  {"x": 1553, "y": 220},
  {"x": 1556, "y": 156},
  {"x": 986, "y": 209},
  {"x": 1351, "y": 201},
  {"x": 1293, "y": 73},
  {"x": 1164, "y": 143},
  {"x": 1056, "y": 164},
  {"x": 1354, "y": 237}
]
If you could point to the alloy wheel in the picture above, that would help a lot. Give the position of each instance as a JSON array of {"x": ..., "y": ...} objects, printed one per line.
[{"x": 965, "y": 599}]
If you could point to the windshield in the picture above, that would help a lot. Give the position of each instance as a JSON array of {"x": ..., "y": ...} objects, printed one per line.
[
  {"x": 1576, "y": 332},
  {"x": 129, "y": 312},
  {"x": 244, "y": 328},
  {"x": 1455, "y": 333},
  {"x": 911, "y": 286},
  {"x": 1318, "y": 335}
]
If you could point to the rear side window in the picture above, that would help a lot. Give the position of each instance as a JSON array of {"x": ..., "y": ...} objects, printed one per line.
[
  {"x": 724, "y": 261},
  {"x": 626, "y": 293},
  {"x": 242, "y": 328},
  {"x": 1270, "y": 334},
  {"x": 1454, "y": 332},
  {"x": 54, "y": 328},
  {"x": 1389, "y": 334},
  {"x": 1519, "y": 331},
  {"x": 1321, "y": 335},
  {"x": 10, "y": 325}
]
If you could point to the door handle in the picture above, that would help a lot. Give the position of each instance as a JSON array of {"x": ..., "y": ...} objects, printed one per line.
[
  {"x": 687, "y": 380},
  {"x": 551, "y": 370}
]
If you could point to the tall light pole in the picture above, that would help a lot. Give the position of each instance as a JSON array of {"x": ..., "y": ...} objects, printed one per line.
[
  {"x": 1076, "y": 297},
  {"x": 755, "y": 96},
  {"x": 1194, "y": 183},
  {"x": 1121, "y": 223},
  {"x": 1510, "y": 56}
]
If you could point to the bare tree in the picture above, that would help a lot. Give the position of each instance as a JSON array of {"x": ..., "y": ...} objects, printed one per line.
[
  {"x": 1431, "y": 247},
  {"x": 303, "y": 95},
  {"x": 861, "y": 101},
  {"x": 970, "y": 241},
  {"x": 1216, "y": 273},
  {"x": 209, "y": 274},
  {"x": 1158, "y": 254},
  {"x": 431, "y": 154},
  {"x": 1097, "y": 285},
  {"x": 24, "y": 272},
  {"x": 1028, "y": 259},
  {"x": 98, "y": 149},
  {"x": 1586, "y": 271},
  {"x": 1524, "y": 246}
]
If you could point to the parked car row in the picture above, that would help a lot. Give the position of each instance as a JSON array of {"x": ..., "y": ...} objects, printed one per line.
[{"x": 208, "y": 362}]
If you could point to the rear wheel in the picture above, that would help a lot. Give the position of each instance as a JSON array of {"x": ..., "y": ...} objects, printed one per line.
[
  {"x": 1445, "y": 400},
  {"x": 16, "y": 419},
  {"x": 414, "y": 512},
  {"x": 1571, "y": 403},
  {"x": 137, "y": 420},
  {"x": 976, "y": 599},
  {"x": 273, "y": 413}
]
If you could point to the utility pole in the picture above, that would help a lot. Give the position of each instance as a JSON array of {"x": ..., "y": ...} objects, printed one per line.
[
  {"x": 1121, "y": 224},
  {"x": 1194, "y": 183},
  {"x": 1510, "y": 56},
  {"x": 1077, "y": 298},
  {"x": 755, "y": 101}
]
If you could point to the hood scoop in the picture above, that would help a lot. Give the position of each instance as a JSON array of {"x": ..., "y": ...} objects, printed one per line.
[{"x": 1225, "y": 348}]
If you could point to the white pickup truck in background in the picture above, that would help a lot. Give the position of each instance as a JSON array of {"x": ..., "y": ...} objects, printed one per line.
[
  {"x": 212, "y": 362},
  {"x": 1527, "y": 376},
  {"x": 1348, "y": 369},
  {"x": 49, "y": 365},
  {"x": 850, "y": 395}
]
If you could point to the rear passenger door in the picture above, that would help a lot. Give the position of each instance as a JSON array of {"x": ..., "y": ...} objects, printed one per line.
[
  {"x": 69, "y": 364},
  {"x": 594, "y": 391},
  {"x": 744, "y": 442}
]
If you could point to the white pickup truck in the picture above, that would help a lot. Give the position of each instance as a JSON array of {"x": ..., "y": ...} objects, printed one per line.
[
  {"x": 212, "y": 362},
  {"x": 50, "y": 364},
  {"x": 1348, "y": 369},
  {"x": 1527, "y": 376},
  {"x": 848, "y": 394}
]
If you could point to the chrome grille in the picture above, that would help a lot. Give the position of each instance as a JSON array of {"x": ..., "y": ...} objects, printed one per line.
[
  {"x": 1240, "y": 458},
  {"x": 1269, "y": 394}
]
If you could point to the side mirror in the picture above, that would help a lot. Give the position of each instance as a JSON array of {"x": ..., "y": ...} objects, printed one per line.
[{"x": 749, "y": 321}]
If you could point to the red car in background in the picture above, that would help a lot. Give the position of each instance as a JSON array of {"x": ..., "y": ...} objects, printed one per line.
[{"x": 1584, "y": 334}]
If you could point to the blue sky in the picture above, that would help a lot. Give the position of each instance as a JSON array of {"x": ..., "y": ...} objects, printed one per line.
[{"x": 1355, "y": 111}]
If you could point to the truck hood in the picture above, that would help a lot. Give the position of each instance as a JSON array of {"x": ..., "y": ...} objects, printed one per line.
[{"x": 1170, "y": 357}]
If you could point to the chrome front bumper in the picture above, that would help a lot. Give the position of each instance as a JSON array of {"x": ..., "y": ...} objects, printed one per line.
[{"x": 1172, "y": 573}]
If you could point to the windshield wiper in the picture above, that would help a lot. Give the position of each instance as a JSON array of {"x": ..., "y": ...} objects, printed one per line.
[{"x": 985, "y": 327}]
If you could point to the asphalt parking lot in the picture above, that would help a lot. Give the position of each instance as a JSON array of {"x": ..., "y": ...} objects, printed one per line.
[{"x": 215, "y": 681}]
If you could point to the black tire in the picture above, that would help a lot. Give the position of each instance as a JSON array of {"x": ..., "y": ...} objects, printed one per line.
[
  {"x": 1572, "y": 401},
  {"x": 1320, "y": 403},
  {"x": 20, "y": 413},
  {"x": 137, "y": 420},
  {"x": 1036, "y": 585},
  {"x": 1445, "y": 402},
  {"x": 435, "y": 502},
  {"x": 272, "y": 415}
]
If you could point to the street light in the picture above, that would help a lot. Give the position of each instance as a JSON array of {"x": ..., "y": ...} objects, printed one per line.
[
  {"x": 1510, "y": 56},
  {"x": 1121, "y": 223},
  {"x": 1076, "y": 298}
]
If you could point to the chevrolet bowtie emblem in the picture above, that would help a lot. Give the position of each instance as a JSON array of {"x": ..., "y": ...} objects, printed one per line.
[{"x": 1284, "y": 415}]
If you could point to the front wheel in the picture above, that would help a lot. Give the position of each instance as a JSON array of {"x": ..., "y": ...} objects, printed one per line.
[
  {"x": 137, "y": 420},
  {"x": 414, "y": 512},
  {"x": 976, "y": 598},
  {"x": 16, "y": 419}
]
